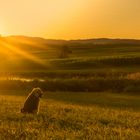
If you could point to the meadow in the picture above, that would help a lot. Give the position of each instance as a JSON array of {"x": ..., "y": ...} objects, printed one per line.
[
  {"x": 71, "y": 116},
  {"x": 92, "y": 94}
]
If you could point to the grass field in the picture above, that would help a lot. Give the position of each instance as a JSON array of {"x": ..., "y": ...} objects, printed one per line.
[
  {"x": 93, "y": 94},
  {"x": 71, "y": 116},
  {"x": 85, "y": 55}
]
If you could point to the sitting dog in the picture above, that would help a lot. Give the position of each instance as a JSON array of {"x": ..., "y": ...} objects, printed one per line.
[{"x": 31, "y": 104}]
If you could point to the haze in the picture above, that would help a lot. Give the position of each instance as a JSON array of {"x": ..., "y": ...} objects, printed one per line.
[{"x": 71, "y": 19}]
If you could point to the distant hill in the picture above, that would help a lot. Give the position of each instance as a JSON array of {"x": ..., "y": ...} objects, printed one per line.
[
  {"x": 107, "y": 41},
  {"x": 98, "y": 41},
  {"x": 31, "y": 53}
]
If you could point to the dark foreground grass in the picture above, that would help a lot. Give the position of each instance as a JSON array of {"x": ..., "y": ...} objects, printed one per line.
[{"x": 69, "y": 116}]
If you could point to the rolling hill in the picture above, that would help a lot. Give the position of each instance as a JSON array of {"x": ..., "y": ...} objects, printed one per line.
[{"x": 21, "y": 52}]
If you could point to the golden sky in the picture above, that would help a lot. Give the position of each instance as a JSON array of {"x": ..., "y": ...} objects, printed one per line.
[{"x": 71, "y": 19}]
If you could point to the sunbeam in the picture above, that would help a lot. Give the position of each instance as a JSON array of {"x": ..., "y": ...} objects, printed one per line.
[
  {"x": 20, "y": 52},
  {"x": 24, "y": 40}
]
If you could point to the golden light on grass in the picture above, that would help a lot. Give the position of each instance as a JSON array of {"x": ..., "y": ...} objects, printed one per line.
[{"x": 28, "y": 41}]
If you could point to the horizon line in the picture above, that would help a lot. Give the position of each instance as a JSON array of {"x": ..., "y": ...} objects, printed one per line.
[{"x": 113, "y": 38}]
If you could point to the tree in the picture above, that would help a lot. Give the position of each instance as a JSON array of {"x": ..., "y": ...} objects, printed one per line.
[{"x": 64, "y": 52}]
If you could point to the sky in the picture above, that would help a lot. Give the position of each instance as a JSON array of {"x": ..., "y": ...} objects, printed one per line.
[{"x": 71, "y": 19}]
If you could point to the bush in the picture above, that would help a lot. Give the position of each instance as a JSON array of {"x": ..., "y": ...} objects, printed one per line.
[{"x": 77, "y": 84}]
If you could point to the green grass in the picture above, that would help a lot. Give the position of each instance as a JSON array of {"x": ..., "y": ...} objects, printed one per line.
[
  {"x": 71, "y": 116},
  {"x": 84, "y": 57}
]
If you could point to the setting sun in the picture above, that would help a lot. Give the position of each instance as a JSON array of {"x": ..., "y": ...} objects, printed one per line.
[
  {"x": 2, "y": 29},
  {"x": 69, "y": 69}
]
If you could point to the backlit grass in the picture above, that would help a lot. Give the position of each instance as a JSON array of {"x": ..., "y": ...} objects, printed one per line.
[{"x": 70, "y": 116}]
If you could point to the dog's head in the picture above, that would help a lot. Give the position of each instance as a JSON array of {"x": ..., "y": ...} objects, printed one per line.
[{"x": 37, "y": 92}]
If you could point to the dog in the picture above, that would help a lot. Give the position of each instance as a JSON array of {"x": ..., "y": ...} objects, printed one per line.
[{"x": 31, "y": 104}]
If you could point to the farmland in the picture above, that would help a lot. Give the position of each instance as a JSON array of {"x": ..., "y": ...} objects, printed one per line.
[{"x": 91, "y": 93}]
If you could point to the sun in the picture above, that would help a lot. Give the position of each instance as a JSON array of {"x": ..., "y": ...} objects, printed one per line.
[{"x": 2, "y": 30}]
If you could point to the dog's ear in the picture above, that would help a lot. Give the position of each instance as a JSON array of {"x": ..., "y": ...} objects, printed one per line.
[{"x": 36, "y": 94}]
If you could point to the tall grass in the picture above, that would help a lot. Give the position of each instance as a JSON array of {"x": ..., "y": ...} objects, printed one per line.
[{"x": 61, "y": 121}]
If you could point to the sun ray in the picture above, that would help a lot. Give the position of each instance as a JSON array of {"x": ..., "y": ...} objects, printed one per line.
[
  {"x": 20, "y": 52},
  {"x": 36, "y": 42}
]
